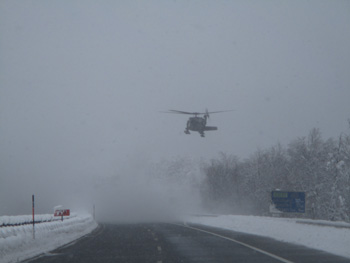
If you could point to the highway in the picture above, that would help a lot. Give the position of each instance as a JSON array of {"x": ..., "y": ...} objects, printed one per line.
[{"x": 179, "y": 242}]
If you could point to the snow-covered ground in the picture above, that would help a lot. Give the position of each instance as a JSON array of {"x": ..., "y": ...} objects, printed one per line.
[
  {"x": 25, "y": 219},
  {"x": 323, "y": 235},
  {"x": 17, "y": 243}
]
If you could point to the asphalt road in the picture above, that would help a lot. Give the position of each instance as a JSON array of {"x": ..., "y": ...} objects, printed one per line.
[{"x": 163, "y": 242}]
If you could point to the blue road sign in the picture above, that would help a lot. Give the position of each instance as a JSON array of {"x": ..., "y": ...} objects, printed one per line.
[{"x": 289, "y": 202}]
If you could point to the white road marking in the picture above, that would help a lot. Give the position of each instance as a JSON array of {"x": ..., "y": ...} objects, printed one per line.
[
  {"x": 241, "y": 243},
  {"x": 159, "y": 248}
]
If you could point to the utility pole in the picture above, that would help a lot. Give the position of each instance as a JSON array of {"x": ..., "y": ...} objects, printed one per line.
[{"x": 33, "y": 217}]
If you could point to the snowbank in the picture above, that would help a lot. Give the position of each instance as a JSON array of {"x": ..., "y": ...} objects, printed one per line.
[
  {"x": 28, "y": 219},
  {"x": 327, "y": 236},
  {"x": 17, "y": 243}
]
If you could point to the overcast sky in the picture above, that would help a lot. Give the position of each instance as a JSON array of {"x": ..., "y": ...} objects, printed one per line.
[{"x": 82, "y": 83}]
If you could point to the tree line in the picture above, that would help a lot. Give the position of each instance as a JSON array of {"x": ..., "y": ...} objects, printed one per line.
[{"x": 320, "y": 168}]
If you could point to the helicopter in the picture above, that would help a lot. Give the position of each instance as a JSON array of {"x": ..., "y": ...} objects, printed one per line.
[{"x": 197, "y": 123}]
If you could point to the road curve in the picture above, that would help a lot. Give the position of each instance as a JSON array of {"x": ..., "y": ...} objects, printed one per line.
[{"x": 165, "y": 242}]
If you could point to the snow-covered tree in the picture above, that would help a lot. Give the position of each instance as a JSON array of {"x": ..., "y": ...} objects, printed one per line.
[{"x": 310, "y": 164}]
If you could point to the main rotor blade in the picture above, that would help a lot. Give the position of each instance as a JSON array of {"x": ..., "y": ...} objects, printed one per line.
[
  {"x": 194, "y": 113},
  {"x": 210, "y": 112},
  {"x": 182, "y": 112}
]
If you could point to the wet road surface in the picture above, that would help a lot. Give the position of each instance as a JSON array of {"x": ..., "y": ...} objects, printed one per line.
[{"x": 163, "y": 242}]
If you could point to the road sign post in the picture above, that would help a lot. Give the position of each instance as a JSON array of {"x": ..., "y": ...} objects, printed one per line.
[{"x": 60, "y": 211}]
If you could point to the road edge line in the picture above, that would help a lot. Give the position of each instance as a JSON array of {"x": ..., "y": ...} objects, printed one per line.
[{"x": 240, "y": 243}]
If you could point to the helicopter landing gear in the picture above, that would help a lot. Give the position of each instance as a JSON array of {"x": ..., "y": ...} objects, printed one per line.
[{"x": 187, "y": 131}]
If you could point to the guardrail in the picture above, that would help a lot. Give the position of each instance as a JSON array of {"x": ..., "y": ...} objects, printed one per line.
[
  {"x": 323, "y": 223},
  {"x": 12, "y": 221}
]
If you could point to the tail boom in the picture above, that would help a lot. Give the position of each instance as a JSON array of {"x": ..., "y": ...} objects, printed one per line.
[{"x": 210, "y": 128}]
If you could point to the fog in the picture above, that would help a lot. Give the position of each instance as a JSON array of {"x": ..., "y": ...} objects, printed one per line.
[{"x": 83, "y": 84}]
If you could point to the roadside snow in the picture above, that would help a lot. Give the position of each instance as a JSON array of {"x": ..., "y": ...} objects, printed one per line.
[
  {"x": 322, "y": 235},
  {"x": 17, "y": 243},
  {"x": 12, "y": 220}
]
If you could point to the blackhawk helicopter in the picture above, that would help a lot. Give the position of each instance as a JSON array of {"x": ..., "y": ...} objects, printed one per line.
[{"x": 197, "y": 123}]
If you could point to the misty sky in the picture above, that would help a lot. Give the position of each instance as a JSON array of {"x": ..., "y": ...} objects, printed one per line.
[{"x": 82, "y": 84}]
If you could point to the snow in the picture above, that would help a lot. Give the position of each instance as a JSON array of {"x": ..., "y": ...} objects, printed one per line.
[
  {"x": 12, "y": 220},
  {"x": 17, "y": 243},
  {"x": 332, "y": 237}
]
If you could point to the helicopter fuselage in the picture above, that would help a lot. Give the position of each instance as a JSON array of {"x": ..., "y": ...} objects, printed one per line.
[{"x": 198, "y": 124}]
